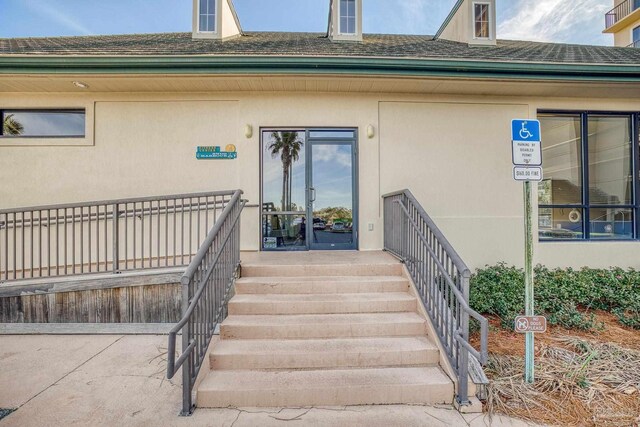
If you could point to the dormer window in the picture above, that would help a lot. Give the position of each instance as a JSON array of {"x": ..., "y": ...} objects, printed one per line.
[
  {"x": 482, "y": 25},
  {"x": 345, "y": 21},
  {"x": 215, "y": 20},
  {"x": 347, "y": 16},
  {"x": 207, "y": 16}
]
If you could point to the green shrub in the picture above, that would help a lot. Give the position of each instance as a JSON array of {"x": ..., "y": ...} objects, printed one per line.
[{"x": 566, "y": 296}]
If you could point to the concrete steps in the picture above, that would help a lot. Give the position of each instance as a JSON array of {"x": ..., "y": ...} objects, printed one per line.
[
  {"x": 303, "y": 333},
  {"x": 320, "y": 285},
  {"x": 322, "y": 326},
  {"x": 323, "y": 353},
  {"x": 253, "y": 270},
  {"x": 381, "y": 302},
  {"x": 326, "y": 387}
]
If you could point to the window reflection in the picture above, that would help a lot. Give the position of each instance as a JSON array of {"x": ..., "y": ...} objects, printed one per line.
[
  {"x": 65, "y": 123},
  {"x": 610, "y": 176},
  {"x": 611, "y": 223},
  {"x": 481, "y": 12},
  {"x": 603, "y": 193},
  {"x": 283, "y": 231},
  {"x": 561, "y": 157},
  {"x": 283, "y": 184},
  {"x": 560, "y": 223},
  {"x": 333, "y": 183}
]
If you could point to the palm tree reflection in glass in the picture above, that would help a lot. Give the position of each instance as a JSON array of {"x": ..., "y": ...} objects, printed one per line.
[
  {"x": 11, "y": 126},
  {"x": 286, "y": 145}
]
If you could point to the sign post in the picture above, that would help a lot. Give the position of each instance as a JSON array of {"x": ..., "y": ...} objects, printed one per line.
[{"x": 527, "y": 159}]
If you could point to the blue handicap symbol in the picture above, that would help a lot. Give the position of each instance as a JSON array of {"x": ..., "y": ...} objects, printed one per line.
[{"x": 525, "y": 130}]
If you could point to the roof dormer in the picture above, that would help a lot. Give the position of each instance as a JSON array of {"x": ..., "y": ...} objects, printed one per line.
[
  {"x": 345, "y": 20},
  {"x": 215, "y": 19},
  {"x": 472, "y": 22}
]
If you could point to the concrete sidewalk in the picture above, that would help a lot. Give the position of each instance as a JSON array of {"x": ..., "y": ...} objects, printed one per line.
[{"x": 94, "y": 380}]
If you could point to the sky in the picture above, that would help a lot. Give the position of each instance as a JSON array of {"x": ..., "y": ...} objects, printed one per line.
[{"x": 562, "y": 21}]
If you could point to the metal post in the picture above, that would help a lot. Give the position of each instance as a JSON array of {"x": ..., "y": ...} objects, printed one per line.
[
  {"x": 116, "y": 249},
  {"x": 463, "y": 368},
  {"x": 528, "y": 282},
  {"x": 187, "y": 405}
]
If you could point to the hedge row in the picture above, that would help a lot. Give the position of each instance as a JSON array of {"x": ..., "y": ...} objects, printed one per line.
[{"x": 566, "y": 296}]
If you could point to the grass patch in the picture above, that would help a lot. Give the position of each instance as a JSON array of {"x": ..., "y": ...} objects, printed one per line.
[{"x": 567, "y": 297}]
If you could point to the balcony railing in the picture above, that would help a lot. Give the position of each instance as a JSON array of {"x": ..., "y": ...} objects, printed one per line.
[
  {"x": 619, "y": 12},
  {"x": 635, "y": 44}
]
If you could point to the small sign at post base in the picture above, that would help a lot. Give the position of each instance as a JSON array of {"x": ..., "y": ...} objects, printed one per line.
[{"x": 531, "y": 324}]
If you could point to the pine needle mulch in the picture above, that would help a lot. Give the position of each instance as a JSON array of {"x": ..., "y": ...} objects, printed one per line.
[{"x": 579, "y": 382}]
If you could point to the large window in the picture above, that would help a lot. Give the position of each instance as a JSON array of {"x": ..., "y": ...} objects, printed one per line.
[
  {"x": 42, "y": 123},
  {"x": 481, "y": 20},
  {"x": 635, "y": 35},
  {"x": 207, "y": 16},
  {"x": 590, "y": 176},
  {"x": 347, "y": 16}
]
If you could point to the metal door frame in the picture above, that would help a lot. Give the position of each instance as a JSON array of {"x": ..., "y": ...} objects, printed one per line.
[
  {"x": 353, "y": 142},
  {"x": 308, "y": 169}
]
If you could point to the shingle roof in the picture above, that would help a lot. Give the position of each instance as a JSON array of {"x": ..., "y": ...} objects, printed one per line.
[{"x": 316, "y": 44}]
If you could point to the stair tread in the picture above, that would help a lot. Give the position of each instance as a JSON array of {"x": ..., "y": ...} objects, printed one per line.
[
  {"x": 300, "y": 279},
  {"x": 281, "y": 380},
  {"x": 324, "y": 319},
  {"x": 373, "y": 296},
  {"x": 346, "y": 345}
]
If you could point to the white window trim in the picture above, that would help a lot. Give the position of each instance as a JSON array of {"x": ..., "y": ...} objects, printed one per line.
[
  {"x": 355, "y": 32},
  {"x": 215, "y": 18},
  {"x": 489, "y": 23}
]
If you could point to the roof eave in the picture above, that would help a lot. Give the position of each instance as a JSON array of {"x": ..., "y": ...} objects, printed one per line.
[{"x": 229, "y": 65}]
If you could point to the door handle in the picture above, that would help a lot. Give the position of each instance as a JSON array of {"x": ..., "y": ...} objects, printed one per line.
[{"x": 312, "y": 194}]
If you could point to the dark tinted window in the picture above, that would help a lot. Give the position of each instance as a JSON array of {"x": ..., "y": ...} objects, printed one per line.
[{"x": 53, "y": 123}]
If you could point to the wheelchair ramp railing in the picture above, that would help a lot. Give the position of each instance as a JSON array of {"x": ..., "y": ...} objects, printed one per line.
[
  {"x": 442, "y": 280},
  {"x": 108, "y": 236}
]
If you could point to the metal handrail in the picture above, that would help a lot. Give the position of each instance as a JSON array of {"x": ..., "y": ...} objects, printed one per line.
[
  {"x": 442, "y": 279},
  {"x": 105, "y": 236},
  {"x": 619, "y": 12},
  {"x": 206, "y": 284}
]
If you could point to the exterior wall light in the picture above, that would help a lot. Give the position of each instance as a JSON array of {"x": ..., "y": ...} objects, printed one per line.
[
  {"x": 248, "y": 131},
  {"x": 371, "y": 131},
  {"x": 81, "y": 85}
]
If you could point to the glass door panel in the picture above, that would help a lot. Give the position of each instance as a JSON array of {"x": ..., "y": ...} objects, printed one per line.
[
  {"x": 284, "y": 195},
  {"x": 331, "y": 195}
]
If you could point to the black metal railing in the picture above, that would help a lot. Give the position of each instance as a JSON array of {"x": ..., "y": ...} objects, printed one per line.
[
  {"x": 441, "y": 278},
  {"x": 635, "y": 44},
  {"x": 106, "y": 236},
  {"x": 206, "y": 286},
  {"x": 619, "y": 12}
]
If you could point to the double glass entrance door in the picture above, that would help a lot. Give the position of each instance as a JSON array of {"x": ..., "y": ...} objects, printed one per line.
[{"x": 308, "y": 189}]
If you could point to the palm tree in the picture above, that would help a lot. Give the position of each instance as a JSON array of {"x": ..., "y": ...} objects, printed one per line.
[
  {"x": 11, "y": 126},
  {"x": 287, "y": 145}
]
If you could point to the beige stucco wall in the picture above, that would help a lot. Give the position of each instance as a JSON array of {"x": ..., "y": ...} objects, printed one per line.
[{"x": 453, "y": 152}]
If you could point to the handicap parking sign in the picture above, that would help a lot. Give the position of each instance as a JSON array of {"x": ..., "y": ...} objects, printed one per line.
[{"x": 525, "y": 130}]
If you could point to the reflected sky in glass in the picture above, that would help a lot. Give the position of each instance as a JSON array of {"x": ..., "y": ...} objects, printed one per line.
[
  {"x": 332, "y": 176},
  {"x": 44, "y": 123},
  {"x": 273, "y": 175}
]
